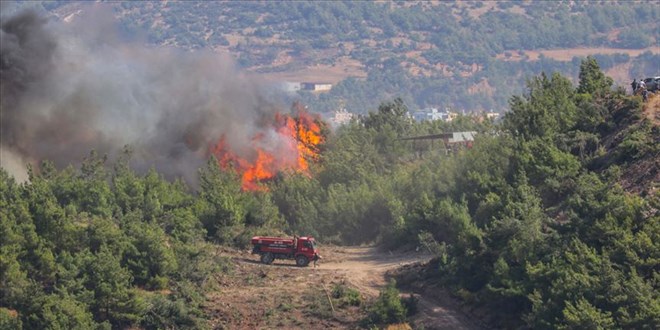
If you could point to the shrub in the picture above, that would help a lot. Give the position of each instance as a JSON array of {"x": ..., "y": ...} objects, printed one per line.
[
  {"x": 317, "y": 304},
  {"x": 59, "y": 312},
  {"x": 158, "y": 283},
  {"x": 388, "y": 308},
  {"x": 346, "y": 296},
  {"x": 9, "y": 319},
  {"x": 636, "y": 144},
  {"x": 168, "y": 312}
]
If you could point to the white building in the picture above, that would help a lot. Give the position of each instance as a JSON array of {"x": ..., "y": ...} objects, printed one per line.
[
  {"x": 290, "y": 87},
  {"x": 432, "y": 114},
  {"x": 316, "y": 87},
  {"x": 341, "y": 117},
  {"x": 492, "y": 115}
]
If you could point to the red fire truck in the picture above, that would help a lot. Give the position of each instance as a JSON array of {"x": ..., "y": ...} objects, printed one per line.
[{"x": 302, "y": 249}]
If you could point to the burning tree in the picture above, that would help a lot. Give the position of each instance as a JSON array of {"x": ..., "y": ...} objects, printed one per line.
[{"x": 299, "y": 137}]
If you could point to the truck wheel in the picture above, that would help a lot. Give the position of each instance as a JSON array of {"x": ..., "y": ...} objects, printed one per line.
[
  {"x": 267, "y": 258},
  {"x": 302, "y": 261}
]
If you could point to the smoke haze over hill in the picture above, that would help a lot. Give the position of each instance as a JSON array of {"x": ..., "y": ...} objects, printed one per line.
[{"x": 68, "y": 88}]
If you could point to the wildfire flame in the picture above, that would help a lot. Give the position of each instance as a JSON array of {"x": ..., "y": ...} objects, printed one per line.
[{"x": 301, "y": 136}]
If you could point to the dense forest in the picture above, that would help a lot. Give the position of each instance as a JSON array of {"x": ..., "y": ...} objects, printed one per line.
[
  {"x": 531, "y": 224},
  {"x": 464, "y": 55}
]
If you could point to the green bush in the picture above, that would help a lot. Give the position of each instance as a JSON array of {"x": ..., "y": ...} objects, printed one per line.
[
  {"x": 388, "y": 308},
  {"x": 158, "y": 283},
  {"x": 60, "y": 312},
  {"x": 636, "y": 144},
  {"x": 317, "y": 304},
  {"x": 346, "y": 296},
  {"x": 9, "y": 319},
  {"x": 167, "y": 312}
]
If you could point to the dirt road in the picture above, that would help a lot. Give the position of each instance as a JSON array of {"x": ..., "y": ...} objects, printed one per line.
[
  {"x": 366, "y": 268},
  {"x": 257, "y": 296},
  {"x": 652, "y": 108}
]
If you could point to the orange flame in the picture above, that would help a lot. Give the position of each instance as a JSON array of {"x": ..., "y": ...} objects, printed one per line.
[{"x": 302, "y": 137}]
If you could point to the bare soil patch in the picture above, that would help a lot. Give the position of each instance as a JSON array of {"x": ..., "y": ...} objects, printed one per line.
[
  {"x": 342, "y": 69},
  {"x": 652, "y": 109},
  {"x": 437, "y": 309},
  {"x": 281, "y": 295},
  {"x": 568, "y": 53}
]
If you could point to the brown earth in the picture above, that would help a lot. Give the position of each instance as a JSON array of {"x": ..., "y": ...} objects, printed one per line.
[
  {"x": 257, "y": 296},
  {"x": 652, "y": 109},
  {"x": 568, "y": 53},
  {"x": 343, "y": 68}
]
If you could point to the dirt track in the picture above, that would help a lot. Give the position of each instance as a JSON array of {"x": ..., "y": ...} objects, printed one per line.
[
  {"x": 366, "y": 267},
  {"x": 260, "y": 296},
  {"x": 652, "y": 108}
]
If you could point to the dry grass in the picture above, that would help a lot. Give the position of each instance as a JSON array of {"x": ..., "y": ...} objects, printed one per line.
[
  {"x": 256, "y": 296},
  {"x": 342, "y": 69},
  {"x": 569, "y": 53}
]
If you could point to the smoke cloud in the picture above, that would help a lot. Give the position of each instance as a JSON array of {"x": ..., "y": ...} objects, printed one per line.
[{"x": 68, "y": 88}]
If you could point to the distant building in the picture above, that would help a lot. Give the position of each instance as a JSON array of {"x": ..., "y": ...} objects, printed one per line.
[
  {"x": 480, "y": 117},
  {"x": 452, "y": 141},
  {"x": 432, "y": 114},
  {"x": 290, "y": 87},
  {"x": 419, "y": 115},
  {"x": 461, "y": 138},
  {"x": 315, "y": 86},
  {"x": 492, "y": 115},
  {"x": 341, "y": 117}
]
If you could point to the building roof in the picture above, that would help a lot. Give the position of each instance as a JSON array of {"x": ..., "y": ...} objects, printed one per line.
[
  {"x": 453, "y": 137},
  {"x": 462, "y": 137}
]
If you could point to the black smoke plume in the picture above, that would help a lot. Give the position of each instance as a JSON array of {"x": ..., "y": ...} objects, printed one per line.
[{"x": 68, "y": 88}]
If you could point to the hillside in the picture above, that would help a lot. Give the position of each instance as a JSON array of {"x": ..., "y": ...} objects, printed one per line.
[
  {"x": 567, "y": 238},
  {"x": 479, "y": 55},
  {"x": 148, "y": 169},
  {"x": 641, "y": 173}
]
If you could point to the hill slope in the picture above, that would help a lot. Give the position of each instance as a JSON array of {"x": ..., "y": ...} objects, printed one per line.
[
  {"x": 630, "y": 146},
  {"x": 643, "y": 175},
  {"x": 558, "y": 225},
  {"x": 430, "y": 53}
]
